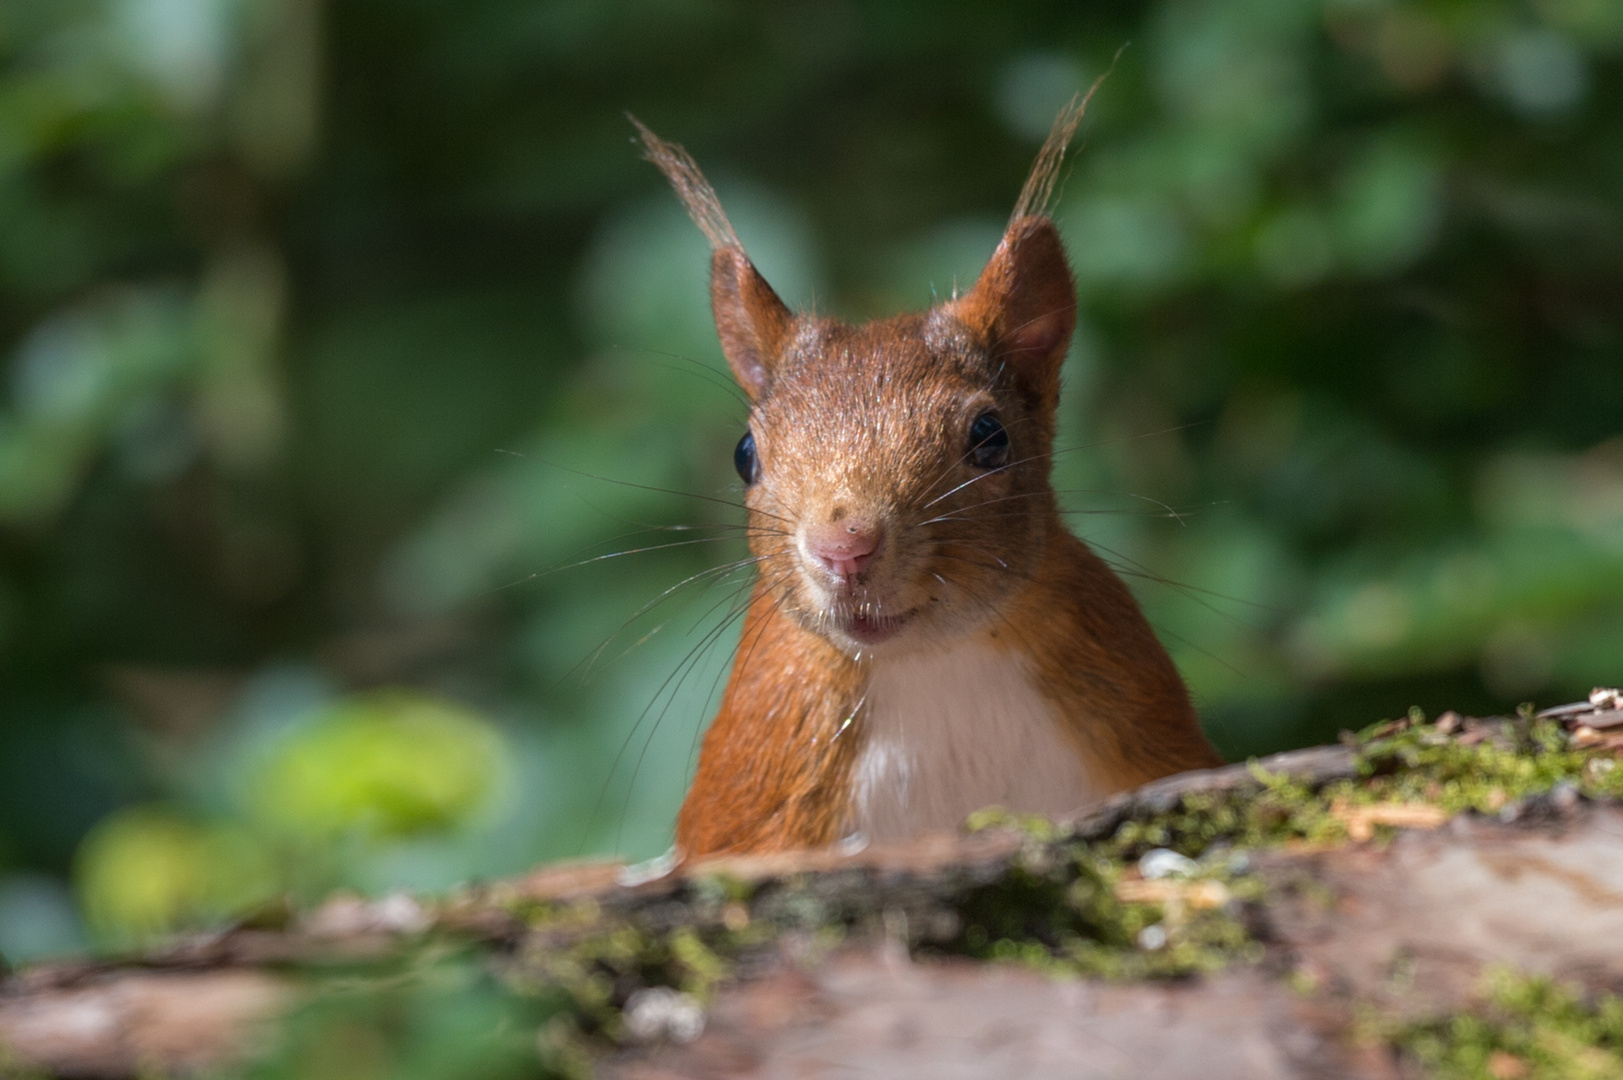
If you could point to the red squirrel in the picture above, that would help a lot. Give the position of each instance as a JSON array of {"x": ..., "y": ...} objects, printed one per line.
[{"x": 925, "y": 637}]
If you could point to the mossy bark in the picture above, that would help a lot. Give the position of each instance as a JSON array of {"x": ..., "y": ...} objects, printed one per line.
[{"x": 1327, "y": 912}]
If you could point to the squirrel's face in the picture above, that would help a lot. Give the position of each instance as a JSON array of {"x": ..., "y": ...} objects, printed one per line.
[
  {"x": 897, "y": 472},
  {"x": 897, "y": 479}
]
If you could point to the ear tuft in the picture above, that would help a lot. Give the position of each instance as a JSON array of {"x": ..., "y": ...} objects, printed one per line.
[
  {"x": 1039, "y": 187},
  {"x": 1023, "y": 306},
  {"x": 751, "y": 321},
  {"x": 698, "y": 197}
]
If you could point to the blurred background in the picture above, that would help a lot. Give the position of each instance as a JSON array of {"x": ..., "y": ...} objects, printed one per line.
[{"x": 338, "y": 337}]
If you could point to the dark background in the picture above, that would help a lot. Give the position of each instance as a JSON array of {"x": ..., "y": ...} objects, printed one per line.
[{"x": 334, "y": 332}]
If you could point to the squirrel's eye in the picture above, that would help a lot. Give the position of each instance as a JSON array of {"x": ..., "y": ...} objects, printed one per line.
[
  {"x": 988, "y": 442},
  {"x": 744, "y": 459}
]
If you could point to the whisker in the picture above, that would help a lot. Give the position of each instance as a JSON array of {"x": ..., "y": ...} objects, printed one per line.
[
  {"x": 680, "y": 671},
  {"x": 1066, "y": 450},
  {"x": 1003, "y": 567},
  {"x": 991, "y": 608},
  {"x": 665, "y": 491},
  {"x": 539, "y": 574},
  {"x": 1208, "y": 654},
  {"x": 956, "y": 517},
  {"x": 966, "y": 513},
  {"x": 702, "y": 370},
  {"x": 974, "y": 480},
  {"x": 957, "y": 462},
  {"x": 1134, "y": 568},
  {"x": 1186, "y": 588},
  {"x": 718, "y": 579},
  {"x": 588, "y": 662},
  {"x": 1171, "y": 513},
  {"x": 741, "y": 652},
  {"x": 686, "y": 667},
  {"x": 679, "y": 674}
]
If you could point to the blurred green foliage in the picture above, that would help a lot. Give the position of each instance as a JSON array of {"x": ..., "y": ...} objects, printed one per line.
[
  {"x": 341, "y": 337},
  {"x": 327, "y": 791},
  {"x": 391, "y": 764},
  {"x": 143, "y": 871}
]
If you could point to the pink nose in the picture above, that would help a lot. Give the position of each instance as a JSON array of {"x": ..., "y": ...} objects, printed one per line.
[{"x": 844, "y": 549}]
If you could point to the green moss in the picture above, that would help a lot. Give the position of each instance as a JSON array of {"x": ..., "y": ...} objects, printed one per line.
[
  {"x": 1032, "y": 826},
  {"x": 1069, "y": 910},
  {"x": 1283, "y": 809},
  {"x": 1518, "y": 759},
  {"x": 1062, "y": 910},
  {"x": 13, "y": 1069},
  {"x": 722, "y": 888},
  {"x": 1407, "y": 761},
  {"x": 1526, "y": 1027}
]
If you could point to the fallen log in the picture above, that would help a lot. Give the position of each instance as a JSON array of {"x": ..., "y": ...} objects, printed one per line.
[{"x": 1308, "y": 914}]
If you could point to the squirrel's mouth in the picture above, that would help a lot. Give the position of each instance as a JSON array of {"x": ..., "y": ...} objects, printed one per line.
[{"x": 870, "y": 628}]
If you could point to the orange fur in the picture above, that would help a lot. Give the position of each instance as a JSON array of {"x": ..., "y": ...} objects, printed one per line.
[
  {"x": 1100, "y": 663},
  {"x": 775, "y": 767}
]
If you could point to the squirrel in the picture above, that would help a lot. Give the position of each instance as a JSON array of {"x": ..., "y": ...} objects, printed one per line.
[{"x": 924, "y": 636}]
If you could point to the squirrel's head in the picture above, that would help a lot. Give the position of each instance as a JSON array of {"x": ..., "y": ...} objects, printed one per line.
[{"x": 896, "y": 472}]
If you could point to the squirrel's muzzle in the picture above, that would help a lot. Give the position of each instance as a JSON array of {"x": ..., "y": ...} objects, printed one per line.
[{"x": 843, "y": 549}]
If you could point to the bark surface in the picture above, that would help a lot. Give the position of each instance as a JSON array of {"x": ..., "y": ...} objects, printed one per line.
[{"x": 1401, "y": 917}]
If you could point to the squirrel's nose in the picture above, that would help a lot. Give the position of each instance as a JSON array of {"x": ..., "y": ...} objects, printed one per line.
[{"x": 844, "y": 548}]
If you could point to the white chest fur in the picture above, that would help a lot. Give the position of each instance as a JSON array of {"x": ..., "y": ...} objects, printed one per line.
[{"x": 948, "y": 733}]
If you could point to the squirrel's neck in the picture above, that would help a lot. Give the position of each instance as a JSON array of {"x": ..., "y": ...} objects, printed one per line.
[{"x": 945, "y": 733}]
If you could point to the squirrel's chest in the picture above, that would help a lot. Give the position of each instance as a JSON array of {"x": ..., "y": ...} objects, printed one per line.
[{"x": 952, "y": 732}]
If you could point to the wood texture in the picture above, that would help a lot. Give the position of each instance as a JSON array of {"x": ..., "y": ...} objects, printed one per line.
[{"x": 1538, "y": 887}]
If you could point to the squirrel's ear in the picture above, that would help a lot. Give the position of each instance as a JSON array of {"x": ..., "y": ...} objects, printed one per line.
[
  {"x": 751, "y": 321},
  {"x": 1023, "y": 306}
]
